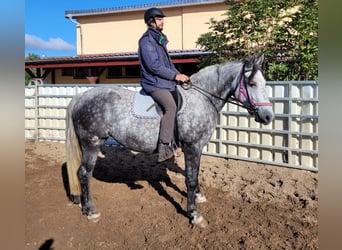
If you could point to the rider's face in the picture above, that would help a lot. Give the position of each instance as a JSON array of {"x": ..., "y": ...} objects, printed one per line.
[{"x": 159, "y": 24}]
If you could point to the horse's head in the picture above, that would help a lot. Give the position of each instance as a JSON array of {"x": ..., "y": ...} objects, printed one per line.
[{"x": 250, "y": 91}]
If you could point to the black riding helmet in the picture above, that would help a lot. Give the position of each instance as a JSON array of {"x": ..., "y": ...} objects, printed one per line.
[{"x": 152, "y": 13}]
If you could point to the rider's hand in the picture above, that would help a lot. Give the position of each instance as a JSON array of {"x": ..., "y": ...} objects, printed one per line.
[{"x": 182, "y": 78}]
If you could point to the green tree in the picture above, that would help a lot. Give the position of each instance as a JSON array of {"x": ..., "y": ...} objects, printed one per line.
[
  {"x": 30, "y": 56},
  {"x": 286, "y": 32}
]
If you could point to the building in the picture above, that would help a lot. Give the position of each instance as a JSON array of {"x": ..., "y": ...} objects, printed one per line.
[{"x": 107, "y": 42}]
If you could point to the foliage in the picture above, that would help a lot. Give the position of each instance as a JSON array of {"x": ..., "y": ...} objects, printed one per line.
[
  {"x": 30, "y": 56},
  {"x": 284, "y": 31}
]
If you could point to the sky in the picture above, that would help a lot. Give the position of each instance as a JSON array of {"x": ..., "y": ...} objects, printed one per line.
[{"x": 47, "y": 31}]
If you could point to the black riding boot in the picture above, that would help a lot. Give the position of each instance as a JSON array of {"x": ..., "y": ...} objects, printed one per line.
[{"x": 165, "y": 152}]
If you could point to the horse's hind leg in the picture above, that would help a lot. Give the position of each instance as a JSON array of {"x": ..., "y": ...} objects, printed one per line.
[{"x": 85, "y": 172}]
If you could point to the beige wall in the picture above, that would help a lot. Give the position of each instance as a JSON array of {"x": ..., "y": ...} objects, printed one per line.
[
  {"x": 195, "y": 21},
  {"x": 120, "y": 32}
]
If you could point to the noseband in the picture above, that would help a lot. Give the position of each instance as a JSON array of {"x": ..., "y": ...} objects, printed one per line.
[{"x": 251, "y": 105}]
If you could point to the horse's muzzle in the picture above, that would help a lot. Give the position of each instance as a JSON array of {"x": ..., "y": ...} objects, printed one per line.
[{"x": 263, "y": 117}]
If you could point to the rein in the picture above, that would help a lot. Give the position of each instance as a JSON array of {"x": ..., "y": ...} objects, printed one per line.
[
  {"x": 243, "y": 92},
  {"x": 189, "y": 85}
]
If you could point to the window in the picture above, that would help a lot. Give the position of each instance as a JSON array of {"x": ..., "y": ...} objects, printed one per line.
[
  {"x": 131, "y": 71},
  {"x": 80, "y": 73},
  {"x": 114, "y": 72},
  {"x": 68, "y": 72}
]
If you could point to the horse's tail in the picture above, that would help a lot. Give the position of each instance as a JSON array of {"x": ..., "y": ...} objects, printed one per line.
[{"x": 73, "y": 153}]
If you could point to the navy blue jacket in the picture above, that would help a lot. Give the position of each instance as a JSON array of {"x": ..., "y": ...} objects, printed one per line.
[{"x": 157, "y": 70}]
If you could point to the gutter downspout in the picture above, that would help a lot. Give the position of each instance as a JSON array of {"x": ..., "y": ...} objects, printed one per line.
[{"x": 78, "y": 25}]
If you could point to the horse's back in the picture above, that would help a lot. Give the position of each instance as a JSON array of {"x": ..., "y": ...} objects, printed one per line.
[
  {"x": 104, "y": 93},
  {"x": 107, "y": 111}
]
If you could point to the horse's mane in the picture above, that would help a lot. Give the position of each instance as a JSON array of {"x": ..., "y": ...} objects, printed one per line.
[
  {"x": 210, "y": 74},
  {"x": 203, "y": 73}
]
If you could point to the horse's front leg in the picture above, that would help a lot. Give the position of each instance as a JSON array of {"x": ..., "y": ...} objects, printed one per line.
[
  {"x": 85, "y": 172},
  {"x": 192, "y": 155}
]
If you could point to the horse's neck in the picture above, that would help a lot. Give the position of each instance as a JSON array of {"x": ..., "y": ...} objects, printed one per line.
[
  {"x": 228, "y": 73},
  {"x": 218, "y": 80}
]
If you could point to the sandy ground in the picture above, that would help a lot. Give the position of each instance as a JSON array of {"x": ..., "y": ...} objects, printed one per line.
[{"x": 142, "y": 204}]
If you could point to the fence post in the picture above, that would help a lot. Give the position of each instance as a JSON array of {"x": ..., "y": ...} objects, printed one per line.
[
  {"x": 284, "y": 133},
  {"x": 36, "y": 83}
]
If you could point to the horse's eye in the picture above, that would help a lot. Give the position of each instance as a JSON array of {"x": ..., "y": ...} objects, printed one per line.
[{"x": 252, "y": 83}]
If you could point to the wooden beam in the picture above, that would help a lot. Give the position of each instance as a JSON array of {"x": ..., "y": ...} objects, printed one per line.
[
  {"x": 102, "y": 63},
  {"x": 31, "y": 74}
]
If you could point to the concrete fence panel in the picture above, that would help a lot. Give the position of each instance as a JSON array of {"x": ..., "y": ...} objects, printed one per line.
[{"x": 291, "y": 140}]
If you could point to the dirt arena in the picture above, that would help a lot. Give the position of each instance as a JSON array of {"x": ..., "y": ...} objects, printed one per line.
[{"x": 142, "y": 204}]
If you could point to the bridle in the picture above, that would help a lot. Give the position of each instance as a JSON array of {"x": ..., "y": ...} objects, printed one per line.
[{"x": 251, "y": 105}]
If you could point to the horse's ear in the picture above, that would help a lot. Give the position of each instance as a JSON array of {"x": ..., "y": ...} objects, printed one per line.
[
  {"x": 257, "y": 60},
  {"x": 256, "y": 63},
  {"x": 260, "y": 60}
]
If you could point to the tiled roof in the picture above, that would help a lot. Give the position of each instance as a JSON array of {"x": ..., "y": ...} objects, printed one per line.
[
  {"x": 80, "y": 58},
  {"x": 109, "y": 57},
  {"x": 169, "y": 4}
]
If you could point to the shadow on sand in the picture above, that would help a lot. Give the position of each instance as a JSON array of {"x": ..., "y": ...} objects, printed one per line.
[{"x": 123, "y": 166}]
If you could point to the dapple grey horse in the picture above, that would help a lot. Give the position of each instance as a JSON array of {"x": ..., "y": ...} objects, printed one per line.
[{"x": 101, "y": 112}]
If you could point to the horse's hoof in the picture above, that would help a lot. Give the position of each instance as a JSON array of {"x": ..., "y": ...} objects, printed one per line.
[
  {"x": 76, "y": 199},
  {"x": 101, "y": 155},
  {"x": 200, "y": 198},
  {"x": 199, "y": 222},
  {"x": 94, "y": 216}
]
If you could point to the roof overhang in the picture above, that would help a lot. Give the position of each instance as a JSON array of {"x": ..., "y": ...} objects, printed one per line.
[{"x": 105, "y": 60}]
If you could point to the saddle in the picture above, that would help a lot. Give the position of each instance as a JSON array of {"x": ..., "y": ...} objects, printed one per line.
[{"x": 144, "y": 106}]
